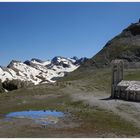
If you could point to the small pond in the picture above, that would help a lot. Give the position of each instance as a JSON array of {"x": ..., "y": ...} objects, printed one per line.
[{"x": 43, "y": 117}]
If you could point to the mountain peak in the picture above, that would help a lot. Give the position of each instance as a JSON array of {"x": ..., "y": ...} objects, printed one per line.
[
  {"x": 37, "y": 60},
  {"x": 133, "y": 29},
  {"x": 13, "y": 62},
  {"x": 75, "y": 58}
]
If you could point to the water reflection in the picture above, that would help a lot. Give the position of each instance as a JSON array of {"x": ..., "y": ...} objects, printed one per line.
[{"x": 43, "y": 117}]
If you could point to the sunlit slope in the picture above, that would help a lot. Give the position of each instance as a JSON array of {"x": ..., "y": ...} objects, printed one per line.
[{"x": 124, "y": 46}]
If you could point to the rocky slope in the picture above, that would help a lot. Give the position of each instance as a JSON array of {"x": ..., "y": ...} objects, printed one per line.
[
  {"x": 124, "y": 46},
  {"x": 19, "y": 74}
]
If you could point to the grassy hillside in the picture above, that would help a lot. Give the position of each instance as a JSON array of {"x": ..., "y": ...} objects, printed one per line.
[
  {"x": 125, "y": 46},
  {"x": 97, "y": 79}
]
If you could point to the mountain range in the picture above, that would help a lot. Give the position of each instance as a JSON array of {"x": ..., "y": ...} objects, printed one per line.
[{"x": 36, "y": 71}]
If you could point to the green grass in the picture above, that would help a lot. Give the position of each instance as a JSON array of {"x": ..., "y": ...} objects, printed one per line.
[
  {"x": 91, "y": 79},
  {"x": 97, "y": 80},
  {"x": 108, "y": 121},
  {"x": 101, "y": 119},
  {"x": 133, "y": 74}
]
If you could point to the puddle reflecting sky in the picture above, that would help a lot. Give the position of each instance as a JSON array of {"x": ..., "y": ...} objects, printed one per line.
[{"x": 42, "y": 117}]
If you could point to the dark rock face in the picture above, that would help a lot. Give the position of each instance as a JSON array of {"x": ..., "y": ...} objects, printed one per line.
[
  {"x": 27, "y": 62},
  {"x": 59, "y": 61},
  {"x": 56, "y": 61},
  {"x": 134, "y": 29},
  {"x": 37, "y": 60},
  {"x": 75, "y": 58},
  {"x": 30, "y": 63},
  {"x": 124, "y": 46}
]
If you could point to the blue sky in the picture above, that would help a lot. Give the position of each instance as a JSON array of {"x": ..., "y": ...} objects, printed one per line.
[{"x": 45, "y": 30}]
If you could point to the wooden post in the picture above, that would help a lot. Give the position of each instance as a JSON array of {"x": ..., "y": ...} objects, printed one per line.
[{"x": 117, "y": 75}]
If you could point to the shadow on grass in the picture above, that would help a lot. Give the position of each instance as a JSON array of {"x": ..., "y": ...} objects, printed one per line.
[
  {"x": 118, "y": 99},
  {"x": 107, "y": 98}
]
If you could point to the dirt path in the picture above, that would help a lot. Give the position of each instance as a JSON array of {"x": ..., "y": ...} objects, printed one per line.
[{"x": 129, "y": 111}]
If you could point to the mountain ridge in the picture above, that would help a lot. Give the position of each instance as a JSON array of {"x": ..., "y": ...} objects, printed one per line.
[
  {"x": 36, "y": 71},
  {"x": 125, "y": 45}
]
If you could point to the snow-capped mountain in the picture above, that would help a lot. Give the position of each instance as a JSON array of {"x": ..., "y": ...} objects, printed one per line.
[{"x": 37, "y": 71}]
